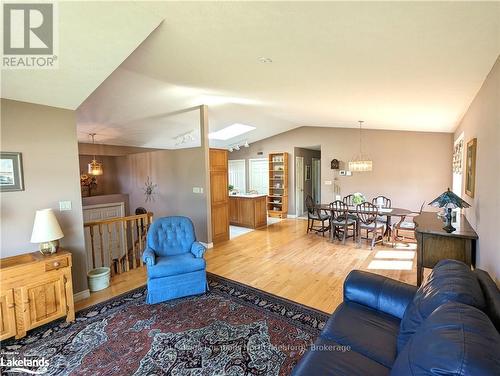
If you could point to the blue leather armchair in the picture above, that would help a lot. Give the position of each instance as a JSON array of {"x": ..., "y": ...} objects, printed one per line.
[
  {"x": 449, "y": 326},
  {"x": 174, "y": 259}
]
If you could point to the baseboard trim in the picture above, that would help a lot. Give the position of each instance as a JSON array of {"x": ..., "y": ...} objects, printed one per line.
[
  {"x": 208, "y": 245},
  {"x": 291, "y": 216},
  {"x": 81, "y": 295}
]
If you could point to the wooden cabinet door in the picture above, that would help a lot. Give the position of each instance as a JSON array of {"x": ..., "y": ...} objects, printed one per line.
[
  {"x": 246, "y": 209},
  {"x": 7, "y": 315},
  {"x": 234, "y": 210},
  {"x": 219, "y": 195},
  {"x": 43, "y": 301}
]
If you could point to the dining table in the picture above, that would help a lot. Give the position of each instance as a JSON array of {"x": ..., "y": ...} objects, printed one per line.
[{"x": 382, "y": 211}]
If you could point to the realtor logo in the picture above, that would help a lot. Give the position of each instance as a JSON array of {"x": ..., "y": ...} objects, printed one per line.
[{"x": 29, "y": 35}]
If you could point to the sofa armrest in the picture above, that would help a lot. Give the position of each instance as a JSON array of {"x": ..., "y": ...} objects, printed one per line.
[
  {"x": 198, "y": 249},
  {"x": 378, "y": 292},
  {"x": 149, "y": 256}
]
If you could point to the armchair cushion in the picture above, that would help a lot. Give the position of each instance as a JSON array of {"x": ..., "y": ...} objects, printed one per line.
[
  {"x": 449, "y": 281},
  {"x": 378, "y": 292},
  {"x": 456, "y": 339},
  {"x": 174, "y": 265},
  {"x": 171, "y": 235},
  {"x": 366, "y": 330},
  {"x": 149, "y": 257},
  {"x": 198, "y": 249}
]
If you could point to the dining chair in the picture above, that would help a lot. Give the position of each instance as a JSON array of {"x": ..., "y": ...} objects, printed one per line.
[
  {"x": 349, "y": 201},
  {"x": 367, "y": 220},
  {"x": 315, "y": 214},
  {"x": 341, "y": 222},
  {"x": 407, "y": 225},
  {"x": 384, "y": 202}
]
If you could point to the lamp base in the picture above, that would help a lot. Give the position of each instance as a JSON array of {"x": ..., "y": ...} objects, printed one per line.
[
  {"x": 49, "y": 248},
  {"x": 448, "y": 228}
]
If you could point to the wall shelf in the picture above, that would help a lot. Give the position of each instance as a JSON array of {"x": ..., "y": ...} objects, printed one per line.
[{"x": 278, "y": 185}]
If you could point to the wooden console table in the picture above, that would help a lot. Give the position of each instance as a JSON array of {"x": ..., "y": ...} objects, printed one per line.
[
  {"x": 34, "y": 290},
  {"x": 435, "y": 244}
]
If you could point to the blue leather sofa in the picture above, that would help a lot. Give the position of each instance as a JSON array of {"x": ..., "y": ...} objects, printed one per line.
[
  {"x": 449, "y": 326},
  {"x": 174, "y": 259}
]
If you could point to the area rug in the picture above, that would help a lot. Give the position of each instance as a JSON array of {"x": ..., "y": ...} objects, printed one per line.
[{"x": 231, "y": 330}]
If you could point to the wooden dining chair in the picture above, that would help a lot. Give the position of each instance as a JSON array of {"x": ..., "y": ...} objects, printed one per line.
[
  {"x": 348, "y": 200},
  {"x": 367, "y": 220},
  {"x": 316, "y": 214},
  {"x": 341, "y": 222},
  {"x": 386, "y": 203},
  {"x": 407, "y": 225}
]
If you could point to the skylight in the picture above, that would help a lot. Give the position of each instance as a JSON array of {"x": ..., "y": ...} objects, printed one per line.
[{"x": 231, "y": 131}]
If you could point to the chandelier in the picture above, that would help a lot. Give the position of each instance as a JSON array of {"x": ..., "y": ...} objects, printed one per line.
[
  {"x": 94, "y": 167},
  {"x": 360, "y": 163}
]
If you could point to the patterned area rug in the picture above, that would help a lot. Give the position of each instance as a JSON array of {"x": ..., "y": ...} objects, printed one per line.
[{"x": 232, "y": 330}]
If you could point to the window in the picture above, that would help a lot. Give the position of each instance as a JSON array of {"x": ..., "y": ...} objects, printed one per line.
[
  {"x": 237, "y": 174},
  {"x": 259, "y": 175}
]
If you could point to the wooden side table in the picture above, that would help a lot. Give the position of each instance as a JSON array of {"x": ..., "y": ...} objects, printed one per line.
[
  {"x": 434, "y": 244},
  {"x": 34, "y": 290}
]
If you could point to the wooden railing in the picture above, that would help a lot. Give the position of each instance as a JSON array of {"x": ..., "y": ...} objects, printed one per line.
[{"x": 117, "y": 242}]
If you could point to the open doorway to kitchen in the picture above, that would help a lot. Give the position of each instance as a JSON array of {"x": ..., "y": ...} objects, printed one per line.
[{"x": 307, "y": 176}]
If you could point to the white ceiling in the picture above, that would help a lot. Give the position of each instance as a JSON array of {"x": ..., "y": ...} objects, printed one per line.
[
  {"x": 396, "y": 65},
  {"x": 94, "y": 39}
]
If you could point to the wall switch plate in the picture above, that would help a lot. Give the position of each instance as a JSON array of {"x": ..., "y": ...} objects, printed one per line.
[
  {"x": 196, "y": 190},
  {"x": 64, "y": 205},
  {"x": 348, "y": 173},
  {"x": 201, "y": 189},
  {"x": 342, "y": 173},
  {"x": 328, "y": 182}
]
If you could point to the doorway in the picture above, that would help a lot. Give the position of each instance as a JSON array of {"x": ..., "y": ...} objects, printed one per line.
[{"x": 299, "y": 186}]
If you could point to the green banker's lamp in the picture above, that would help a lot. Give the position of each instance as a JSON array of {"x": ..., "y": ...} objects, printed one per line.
[{"x": 449, "y": 200}]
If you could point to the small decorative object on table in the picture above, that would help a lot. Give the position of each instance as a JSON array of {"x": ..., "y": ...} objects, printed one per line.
[
  {"x": 449, "y": 200},
  {"x": 358, "y": 198},
  {"x": 46, "y": 231}
]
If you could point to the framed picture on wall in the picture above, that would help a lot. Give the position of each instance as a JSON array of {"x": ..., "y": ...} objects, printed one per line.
[
  {"x": 470, "y": 167},
  {"x": 11, "y": 172},
  {"x": 308, "y": 172}
]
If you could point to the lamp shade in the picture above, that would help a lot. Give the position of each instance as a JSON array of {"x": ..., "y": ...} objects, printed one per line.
[
  {"x": 46, "y": 228},
  {"x": 450, "y": 200}
]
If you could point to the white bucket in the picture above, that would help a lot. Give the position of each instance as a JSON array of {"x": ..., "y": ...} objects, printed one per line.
[{"x": 98, "y": 278}]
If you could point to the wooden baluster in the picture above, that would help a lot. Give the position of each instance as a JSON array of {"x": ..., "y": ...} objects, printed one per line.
[
  {"x": 101, "y": 243},
  {"x": 127, "y": 266},
  {"x": 119, "y": 251},
  {"x": 140, "y": 234},
  {"x": 110, "y": 250},
  {"x": 91, "y": 228}
]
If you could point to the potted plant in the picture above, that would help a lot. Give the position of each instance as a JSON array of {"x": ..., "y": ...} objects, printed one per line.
[
  {"x": 230, "y": 187},
  {"x": 358, "y": 198}
]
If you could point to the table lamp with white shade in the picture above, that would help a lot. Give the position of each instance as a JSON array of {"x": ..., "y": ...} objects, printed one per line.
[{"x": 46, "y": 231}]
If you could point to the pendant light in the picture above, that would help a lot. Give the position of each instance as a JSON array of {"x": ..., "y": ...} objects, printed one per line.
[
  {"x": 360, "y": 163},
  {"x": 94, "y": 167}
]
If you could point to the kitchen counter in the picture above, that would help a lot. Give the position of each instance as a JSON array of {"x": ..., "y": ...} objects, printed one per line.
[{"x": 248, "y": 210}]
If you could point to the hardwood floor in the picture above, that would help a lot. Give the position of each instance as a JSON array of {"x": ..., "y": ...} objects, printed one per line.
[{"x": 283, "y": 260}]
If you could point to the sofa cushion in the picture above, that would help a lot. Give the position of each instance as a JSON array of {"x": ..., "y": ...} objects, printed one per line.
[
  {"x": 492, "y": 296},
  {"x": 330, "y": 358},
  {"x": 450, "y": 280},
  {"x": 369, "y": 332},
  {"x": 456, "y": 339},
  {"x": 173, "y": 265}
]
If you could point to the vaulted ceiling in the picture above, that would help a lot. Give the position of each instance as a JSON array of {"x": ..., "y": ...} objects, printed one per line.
[{"x": 396, "y": 65}]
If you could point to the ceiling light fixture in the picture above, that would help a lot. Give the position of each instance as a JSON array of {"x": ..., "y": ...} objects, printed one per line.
[
  {"x": 247, "y": 145},
  {"x": 230, "y": 131},
  {"x": 184, "y": 138},
  {"x": 360, "y": 163},
  {"x": 236, "y": 147},
  {"x": 265, "y": 60},
  {"x": 94, "y": 167}
]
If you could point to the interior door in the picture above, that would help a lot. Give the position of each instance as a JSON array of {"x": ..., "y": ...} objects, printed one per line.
[
  {"x": 299, "y": 185},
  {"x": 219, "y": 195}
]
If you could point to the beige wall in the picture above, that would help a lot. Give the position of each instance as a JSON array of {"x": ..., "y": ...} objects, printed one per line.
[
  {"x": 482, "y": 121},
  {"x": 46, "y": 137},
  {"x": 107, "y": 183},
  {"x": 175, "y": 172},
  {"x": 109, "y": 150},
  {"x": 409, "y": 167}
]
